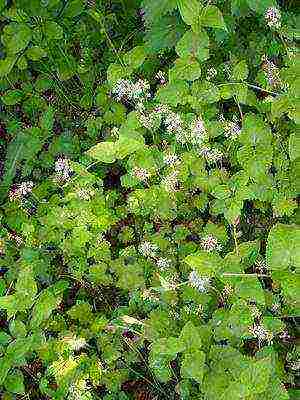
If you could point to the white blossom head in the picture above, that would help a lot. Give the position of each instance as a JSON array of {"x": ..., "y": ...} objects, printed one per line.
[
  {"x": 201, "y": 283},
  {"x": 148, "y": 249},
  {"x": 273, "y": 17}
]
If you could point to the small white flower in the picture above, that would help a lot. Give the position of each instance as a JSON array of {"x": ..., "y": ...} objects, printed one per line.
[
  {"x": 211, "y": 73},
  {"x": 273, "y": 17},
  {"x": 210, "y": 243},
  {"x": 85, "y": 193},
  {"x": 171, "y": 181},
  {"x": 212, "y": 155},
  {"x": 141, "y": 174},
  {"x": 75, "y": 343},
  {"x": 62, "y": 169},
  {"x": 160, "y": 76},
  {"x": 198, "y": 132},
  {"x": 171, "y": 159},
  {"x": 148, "y": 249},
  {"x": 163, "y": 263},
  {"x": 232, "y": 129},
  {"x": 198, "y": 282},
  {"x": 261, "y": 333},
  {"x": 173, "y": 122},
  {"x": 20, "y": 190}
]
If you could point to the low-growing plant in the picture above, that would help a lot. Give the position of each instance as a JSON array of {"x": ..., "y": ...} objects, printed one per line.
[{"x": 149, "y": 220}]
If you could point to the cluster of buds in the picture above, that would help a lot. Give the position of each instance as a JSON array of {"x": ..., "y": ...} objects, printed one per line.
[
  {"x": 20, "y": 191},
  {"x": 15, "y": 238},
  {"x": 74, "y": 343},
  {"x": 150, "y": 294},
  {"x": 273, "y": 17},
  {"x": 62, "y": 169},
  {"x": 126, "y": 90},
  {"x": 201, "y": 283},
  {"x": 231, "y": 128},
  {"x": 171, "y": 159},
  {"x": 210, "y": 243},
  {"x": 163, "y": 263}
]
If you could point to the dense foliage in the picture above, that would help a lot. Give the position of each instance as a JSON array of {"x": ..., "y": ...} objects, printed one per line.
[{"x": 149, "y": 239}]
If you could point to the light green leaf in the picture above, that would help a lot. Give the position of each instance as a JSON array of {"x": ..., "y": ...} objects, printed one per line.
[
  {"x": 12, "y": 97},
  {"x": 190, "y": 337},
  {"x": 35, "y": 53},
  {"x": 48, "y": 301},
  {"x": 193, "y": 365},
  {"x": 15, "y": 382},
  {"x": 283, "y": 251},
  {"x": 135, "y": 57},
  {"x": 294, "y": 146},
  {"x": 240, "y": 71},
  {"x": 16, "y": 37},
  {"x": 5, "y": 365},
  {"x": 190, "y": 11},
  {"x": 53, "y": 31},
  {"x": 104, "y": 151},
  {"x": 205, "y": 263},
  {"x": 211, "y": 16},
  {"x": 174, "y": 93},
  {"x": 185, "y": 68},
  {"x": 256, "y": 377},
  {"x": 194, "y": 44}
]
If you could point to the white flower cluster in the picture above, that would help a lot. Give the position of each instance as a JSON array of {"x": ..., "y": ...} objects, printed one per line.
[
  {"x": 85, "y": 193},
  {"x": 141, "y": 174},
  {"x": 171, "y": 159},
  {"x": 231, "y": 128},
  {"x": 62, "y": 169},
  {"x": 201, "y": 283},
  {"x": 272, "y": 73},
  {"x": 261, "y": 333},
  {"x": 211, "y": 73},
  {"x": 148, "y": 249},
  {"x": 126, "y": 90},
  {"x": 160, "y": 76},
  {"x": 273, "y": 17},
  {"x": 163, "y": 263},
  {"x": 210, "y": 243},
  {"x": 21, "y": 190},
  {"x": 171, "y": 182},
  {"x": 212, "y": 155},
  {"x": 198, "y": 132}
]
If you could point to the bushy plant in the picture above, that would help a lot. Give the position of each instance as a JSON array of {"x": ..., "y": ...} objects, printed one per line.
[{"x": 149, "y": 220}]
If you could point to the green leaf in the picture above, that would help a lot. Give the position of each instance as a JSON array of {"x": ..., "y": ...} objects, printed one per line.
[
  {"x": 240, "y": 71},
  {"x": 249, "y": 288},
  {"x": 104, "y": 151},
  {"x": 256, "y": 377},
  {"x": 193, "y": 365},
  {"x": 206, "y": 92},
  {"x": 189, "y": 11},
  {"x": 53, "y": 31},
  {"x": 17, "y": 328},
  {"x": 205, "y": 263},
  {"x": 14, "y": 383},
  {"x": 7, "y": 64},
  {"x": 211, "y": 16},
  {"x": 155, "y": 9},
  {"x": 283, "y": 250},
  {"x": 5, "y": 365},
  {"x": 174, "y": 93},
  {"x": 261, "y": 5},
  {"x": 35, "y": 53},
  {"x": 47, "y": 119},
  {"x": 190, "y": 337},
  {"x": 73, "y": 8},
  {"x": 16, "y": 37},
  {"x": 47, "y": 302},
  {"x": 294, "y": 146},
  {"x": 134, "y": 58},
  {"x": 12, "y": 97},
  {"x": 185, "y": 68},
  {"x": 192, "y": 44}
]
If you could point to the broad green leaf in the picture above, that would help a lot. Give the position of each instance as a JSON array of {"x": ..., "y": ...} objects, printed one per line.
[
  {"x": 53, "y": 31},
  {"x": 104, "y": 151},
  {"x": 255, "y": 131},
  {"x": 12, "y": 97},
  {"x": 134, "y": 58},
  {"x": 260, "y": 6},
  {"x": 206, "y": 92},
  {"x": 47, "y": 119},
  {"x": 16, "y": 37},
  {"x": 256, "y": 377},
  {"x": 185, "y": 68},
  {"x": 73, "y": 8},
  {"x": 35, "y": 53},
  {"x": 294, "y": 146},
  {"x": 193, "y": 365},
  {"x": 190, "y": 11},
  {"x": 205, "y": 263},
  {"x": 17, "y": 328},
  {"x": 7, "y": 64},
  {"x": 47, "y": 302},
  {"x": 249, "y": 288},
  {"x": 211, "y": 16},
  {"x": 14, "y": 382},
  {"x": 240, "y": 71},
  {"x": 174, "y": 93},
  {"x": 5, "y": 365},
  {"x": 190, "y": 337},
  {"x": 283, "y": 251},
  {"x": 18, "y": 348},
  {"x": 193, "y": 44},
  {"x": 155, "y": 9}
]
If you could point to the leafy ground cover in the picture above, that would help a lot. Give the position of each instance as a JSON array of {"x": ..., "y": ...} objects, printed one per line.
[{"x": 149, "y": 239}]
